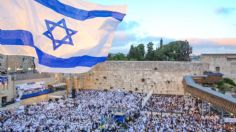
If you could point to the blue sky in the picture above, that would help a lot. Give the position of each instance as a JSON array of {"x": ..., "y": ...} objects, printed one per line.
[{"x": 209, "y": 25}]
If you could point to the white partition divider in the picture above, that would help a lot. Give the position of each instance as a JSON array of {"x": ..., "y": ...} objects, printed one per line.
[{"x": 146, "y": 98}]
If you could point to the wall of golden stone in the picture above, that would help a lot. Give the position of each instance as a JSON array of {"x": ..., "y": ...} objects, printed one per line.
[{"x": 140, "y": 76}]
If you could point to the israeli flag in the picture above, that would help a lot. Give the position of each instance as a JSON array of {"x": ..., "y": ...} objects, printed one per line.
[{"x": 65, "y": 36}]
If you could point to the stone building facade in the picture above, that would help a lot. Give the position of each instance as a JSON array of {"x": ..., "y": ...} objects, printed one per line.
[
  {"x": 2, "y": 63},
  {"x": 224, "y": 63},
  {"x": 14, "y": 63}
]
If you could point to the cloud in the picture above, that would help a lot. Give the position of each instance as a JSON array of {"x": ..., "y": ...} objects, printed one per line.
[
  {"x": 223, "y": 45},
  {"x": 225, "y": 10},
  {"x": 123, "y": 40},
  {"x": 130, "y": 25},
  {"x": 126, "y": 35},
  {"x": 213, "y": 49},
  {"x": 156, "y": 39},
  {"x": 214, "y": 41},
  {"x": 225, "y": 41}
]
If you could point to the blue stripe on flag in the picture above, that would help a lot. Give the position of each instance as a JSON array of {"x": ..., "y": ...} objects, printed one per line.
[
  {"x": 21, "y": 37},
  {"x": 16, "y": 37},
  {"x": 52, "y": 61},
  {"x": 79, "y": 14}
]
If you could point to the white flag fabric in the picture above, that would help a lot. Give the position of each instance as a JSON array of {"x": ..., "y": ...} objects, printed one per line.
[{"x": 65, "y": 36}]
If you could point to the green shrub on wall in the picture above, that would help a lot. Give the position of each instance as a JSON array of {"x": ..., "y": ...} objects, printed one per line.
[
  {"x": 226, "y": 85},
  {"x": 229, "y": 81}
]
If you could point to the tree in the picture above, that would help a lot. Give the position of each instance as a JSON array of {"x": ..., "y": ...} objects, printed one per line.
[
  {"x": 110, "y": 55},
  {"x": 116, "y": 57},
  {"x": 225, "y": 85},
  {"x": 185, "y": 51},
  {"x": 140, "y": 52},
  {"x": 136, "y": 52},
  {"x": 174, "y": 51},
  {"x": 150, "y": 52},
  {"x": 229, "y": 81},
  {"x": 159, "y": 55},
  {"x": 131, "y": 54}
]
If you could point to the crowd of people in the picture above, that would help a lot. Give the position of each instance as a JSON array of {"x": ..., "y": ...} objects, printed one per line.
[
  {"x": 172, "y": 103},
  {"x": 168, "y": 113},
  {"x": 94, "y": 110}
]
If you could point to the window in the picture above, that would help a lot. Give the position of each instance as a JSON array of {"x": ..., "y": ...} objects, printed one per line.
[{"x": 217, "y": 69}]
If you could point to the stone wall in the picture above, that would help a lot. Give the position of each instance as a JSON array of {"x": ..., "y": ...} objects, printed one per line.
[
  {"x": 141, "y": 76},
  {"x": 2, "y": 63}
]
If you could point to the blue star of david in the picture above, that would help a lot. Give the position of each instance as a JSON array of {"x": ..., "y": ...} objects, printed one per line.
[{"x": 65, "y": 40}]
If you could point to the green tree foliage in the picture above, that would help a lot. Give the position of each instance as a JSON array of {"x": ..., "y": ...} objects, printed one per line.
[
  {"x": 150, "y": 52},
  {"x": 131, "y": 53},
  {"x": 225, "y": 85},
  {"x": 136, "y": 52},
  {"x": 140, "y": 49},
  {"x": 174, "y": 51},
  {"x": 117, "y": 57},
  {"x": 229, "y": 81}
]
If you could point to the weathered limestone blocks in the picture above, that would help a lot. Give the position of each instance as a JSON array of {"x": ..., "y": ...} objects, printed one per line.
[{"x": 141, "y": 76}]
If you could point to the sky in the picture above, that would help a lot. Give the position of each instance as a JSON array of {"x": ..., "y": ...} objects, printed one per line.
[{"x": 209, "y": 25}]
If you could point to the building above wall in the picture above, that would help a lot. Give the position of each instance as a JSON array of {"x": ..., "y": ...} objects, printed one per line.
[{"x": 223, "y": 62}]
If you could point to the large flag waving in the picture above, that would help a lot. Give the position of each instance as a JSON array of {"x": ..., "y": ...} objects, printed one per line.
[{"x": 65, "y": 36}]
